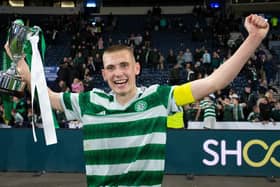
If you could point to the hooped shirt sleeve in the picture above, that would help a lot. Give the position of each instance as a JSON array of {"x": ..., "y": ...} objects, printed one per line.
[
  {"x": 70, "y": 104},
  {"x": 182, "y": 94}
]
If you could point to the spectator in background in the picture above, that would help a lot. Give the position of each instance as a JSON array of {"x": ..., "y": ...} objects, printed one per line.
[
  {"x": 19, "y": 112},
  {"x": 138, "y": 39},
  {"x": 97, "y": 62},
  {"x": 262, "y": 60},
  {"x": 266, "y": 103},
  {"x": 265, "y": 109},
  {"x": 190, "y": 112},
  {"x": 216, "y": 60},
  {"x": 188, "y": 58},
  {"x": 206, "y": 61},
  {"x": 88, "y": 82},
  {"x": 90, "y": 65},
  {"x": 227, "y": 109},
  {"x": 251, "y": 69},
  {"x": 93, "y": 51},
  {"x": 254, "y": 116},
  {"x": 110, "y": 42},
  {"x": 171, "y": 58},
  {"x": 208, "y": 106},
  {"x": 197, "y": 54},
  {"x": 244, "y": 98},
  {"x": 63, "y": 71},
  {"x": 252, "y": 100},
  {"x": 270, "y": 97},
  {"x": 154, "y": 58},
  {"x": 100, "y": 44},
  {"x": 175, "y": 75},
  {"x": 79, "y": 60},
  {"x": 73, "y": 71},
  {"x": 147, "y": 39},
  {"x": 62, "y": 86},
  {"x": 190, "y": 75},
  {"x": 219, "y": 109},
  {"x": 77, "y": 86},
  {"x": 130, "y": 40},
  {"x": 17, "y": 119},
  {"x": 180, "y": 58},
  {"x": 237, "y": 108},
  {"x": 198, "y": 70}
]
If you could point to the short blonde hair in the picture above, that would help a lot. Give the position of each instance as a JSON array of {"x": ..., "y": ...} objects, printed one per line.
[{"x": 117, "y": 48}]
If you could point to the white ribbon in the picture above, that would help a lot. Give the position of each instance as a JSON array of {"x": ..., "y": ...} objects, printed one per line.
[{"x": 38, "y": 80}]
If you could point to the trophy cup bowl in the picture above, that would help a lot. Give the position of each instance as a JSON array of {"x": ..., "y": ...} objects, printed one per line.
[{"x": 10, "y": 81}]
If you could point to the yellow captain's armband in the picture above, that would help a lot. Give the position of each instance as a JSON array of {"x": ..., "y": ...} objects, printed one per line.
[{"x": 183, "y": 94}]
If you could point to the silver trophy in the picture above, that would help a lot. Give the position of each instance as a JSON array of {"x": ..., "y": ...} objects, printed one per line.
[{"x": 10, "y": 81}]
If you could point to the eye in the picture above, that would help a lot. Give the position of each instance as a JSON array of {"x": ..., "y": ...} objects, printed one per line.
[
  {"x": 124, "y": 64},
  {"x": 110, "y": 68}
]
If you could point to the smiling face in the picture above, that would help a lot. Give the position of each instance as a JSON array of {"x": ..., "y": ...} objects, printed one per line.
[{"x": 120, "y": 70}]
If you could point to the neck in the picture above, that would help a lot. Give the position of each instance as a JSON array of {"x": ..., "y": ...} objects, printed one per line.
[{"x": 125, "y": 98}]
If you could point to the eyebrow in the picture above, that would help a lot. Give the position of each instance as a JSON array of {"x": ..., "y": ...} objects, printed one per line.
[{"x": 124, "y": 62}]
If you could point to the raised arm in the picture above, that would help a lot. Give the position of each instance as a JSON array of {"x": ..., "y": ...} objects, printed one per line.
[
  {"x": 24, "y": 72},
  {"x": 257, "y": 29}
]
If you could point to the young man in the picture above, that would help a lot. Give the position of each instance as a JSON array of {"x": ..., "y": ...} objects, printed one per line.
[{"x": 125, "y": 130}]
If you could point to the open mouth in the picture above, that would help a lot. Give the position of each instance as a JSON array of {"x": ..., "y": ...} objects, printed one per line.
[{"x": 120, "y": 82}]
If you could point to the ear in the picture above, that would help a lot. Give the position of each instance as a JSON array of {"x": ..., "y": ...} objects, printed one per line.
[
  {"x": 137, "y": 68},
  {"x": 103, "y": 75}
]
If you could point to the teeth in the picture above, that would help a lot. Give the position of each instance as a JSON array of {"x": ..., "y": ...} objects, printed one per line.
[{"x": 120, "y": 81}]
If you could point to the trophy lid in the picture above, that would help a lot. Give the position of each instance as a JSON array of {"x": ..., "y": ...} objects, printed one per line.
[{"x": 19, "y": 22}]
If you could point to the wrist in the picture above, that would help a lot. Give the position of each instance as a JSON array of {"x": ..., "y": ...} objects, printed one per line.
[
  {"x": 254, "y": 38},
  {"x": 258, "y": 36}
]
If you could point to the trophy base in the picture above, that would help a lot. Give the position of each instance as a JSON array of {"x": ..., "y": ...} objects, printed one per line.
[
  {"x": 11, "y": 85},
  {"x": 12, "y": 92}
]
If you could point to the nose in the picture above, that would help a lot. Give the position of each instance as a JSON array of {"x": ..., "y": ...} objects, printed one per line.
[{"x": 118, "y": 71}]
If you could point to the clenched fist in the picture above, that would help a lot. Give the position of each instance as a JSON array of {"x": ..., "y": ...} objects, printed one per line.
[{"x": 256, "y": 25}]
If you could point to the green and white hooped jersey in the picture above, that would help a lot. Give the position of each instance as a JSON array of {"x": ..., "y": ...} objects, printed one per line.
[
  {"x": 209, "y": 108},
  {"x": 123, "y": 145}
]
